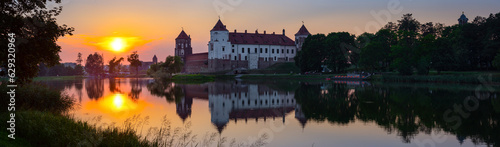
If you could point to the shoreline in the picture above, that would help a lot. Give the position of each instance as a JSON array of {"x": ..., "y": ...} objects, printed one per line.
[{"x": 451, "y": 78}]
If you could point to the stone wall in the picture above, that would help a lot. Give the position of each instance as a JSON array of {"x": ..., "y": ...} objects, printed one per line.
[{"x": 196, "y": 63}]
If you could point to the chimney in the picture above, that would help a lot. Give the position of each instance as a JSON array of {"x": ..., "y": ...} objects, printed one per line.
[
  {"x": 273, "y": 33},
  {"x": 283, "y": 32},
  {"x": 245, "y": 31},
  {"x": 234, "y": 30},
  {"x": 264, "y": 32},
  {"x": 256, "y": 31}
]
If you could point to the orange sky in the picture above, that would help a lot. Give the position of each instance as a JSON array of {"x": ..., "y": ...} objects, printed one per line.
[{"x": 151, "y": 26}]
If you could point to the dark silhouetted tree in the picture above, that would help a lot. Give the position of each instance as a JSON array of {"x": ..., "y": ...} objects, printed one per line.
[
  {"x": 94, "y": 64},
  {"x": 134, "y": 61},
  {"x": 36, "y": 32}
]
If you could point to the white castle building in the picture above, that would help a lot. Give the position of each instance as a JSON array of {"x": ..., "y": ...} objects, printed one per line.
[{"x": 231, "y": 50}]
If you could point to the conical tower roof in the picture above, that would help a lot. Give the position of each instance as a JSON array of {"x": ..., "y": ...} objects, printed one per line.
[
  {"x": 183, "y": 35},
  {"x": 303, "y": 31},
  {"x": 219, "y": 26}
]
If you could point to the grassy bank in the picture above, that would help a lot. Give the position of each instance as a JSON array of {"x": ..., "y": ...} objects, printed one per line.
[
  {"x": 58, "y": 78},
  {"x": 41, "y": 120},
  {"x": 446, "y": 77}
]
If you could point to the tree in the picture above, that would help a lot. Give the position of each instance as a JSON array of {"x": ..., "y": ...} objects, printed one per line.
[
  {"x": 173, "y": 64},
  {"x": 404, "y": 52},
  {"x": 496, "y": 62},
  {"x": 134, "y": 61},
  {"x": 339, "y": 50},
  {"x": 79, "y": 59},
  {"x": 94, "y": 65},
  {"x": 114, "y": 65},
  {"x": 36, "y": 32},
  {"x": 312, "y": 54}
]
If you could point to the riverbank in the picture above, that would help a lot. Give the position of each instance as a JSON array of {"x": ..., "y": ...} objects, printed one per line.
[
  {"x": 445, "y": 77},
  {"x": 41, "y": 118}
]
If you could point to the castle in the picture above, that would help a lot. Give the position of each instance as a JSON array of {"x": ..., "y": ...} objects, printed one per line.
[{"x": 238, "y": 50}]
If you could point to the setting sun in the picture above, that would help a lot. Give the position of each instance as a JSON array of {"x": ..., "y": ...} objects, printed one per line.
[{"x": 117, "y": 44}]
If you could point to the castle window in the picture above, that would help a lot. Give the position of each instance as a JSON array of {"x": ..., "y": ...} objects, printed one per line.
[
  {"x": 233, "y": 45},
  {"x": 243, "y": 50},
  {"x": 287, "y": 51},
  {"x": 255, "y": 50},
  {"x": 235, "y": 58},
  {"x": 248, "y": 50},
  {"x": 260, "y": 50},
  {"x": 274, "y": 58},
  {"x": 278, "y": 51},
  {"x": 245, "y": 57},
  {"x": 233, "y": 50},
  {"x": 223, "y": 48},
  {"x": 282, "y": 50},
  {"x": 266, "y": 50},
  {"x": 272, "y": 51},
  {"x": 292, "y": 51}
]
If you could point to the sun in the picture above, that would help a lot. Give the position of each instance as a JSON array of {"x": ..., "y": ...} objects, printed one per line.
[{"x": 117, "y": 44}]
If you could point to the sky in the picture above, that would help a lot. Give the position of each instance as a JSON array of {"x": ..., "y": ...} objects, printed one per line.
[{"x": 151, "y": 26}]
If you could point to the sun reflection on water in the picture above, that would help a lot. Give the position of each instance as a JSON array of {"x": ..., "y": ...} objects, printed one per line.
[{"x": 117, "y": 105}]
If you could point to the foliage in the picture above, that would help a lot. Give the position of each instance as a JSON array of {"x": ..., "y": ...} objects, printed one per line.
[
  {"x": 408, "y": 46},
  {"x": 339, "y": 49},
  {"x": 134, "y": 61},
  {"x": 60, "y": 70},
  {"x": 94, "y": 65},
  {"x": 36, "y": 32},
  {"x": 312, "y": 54},
  {"x": 114, "y": 65},
  {"x": 173, "y": 64},
  {"x": 496, "y": 61},
  {"x": 165, "y": 70}
]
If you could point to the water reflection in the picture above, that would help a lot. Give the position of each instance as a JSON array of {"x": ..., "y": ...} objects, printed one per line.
[
  {"x": 405, "y": 110},
  {"x": 242, "y": 102},
  {"x": 95, "y": 88}
]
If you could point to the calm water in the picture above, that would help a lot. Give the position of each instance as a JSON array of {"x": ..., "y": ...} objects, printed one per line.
[{"x": 293, "y": 113}]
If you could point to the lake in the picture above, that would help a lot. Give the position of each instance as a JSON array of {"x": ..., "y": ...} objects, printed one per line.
[{"x": 295, "y": 113}]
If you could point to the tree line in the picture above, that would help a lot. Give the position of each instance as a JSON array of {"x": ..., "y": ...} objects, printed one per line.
[{"x": 407, "y": 47}]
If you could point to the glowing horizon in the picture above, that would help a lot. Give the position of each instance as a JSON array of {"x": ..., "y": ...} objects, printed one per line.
[{"x": 151, "y": 27}]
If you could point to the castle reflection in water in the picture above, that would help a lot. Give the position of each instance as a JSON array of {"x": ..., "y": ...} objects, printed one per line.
[{"x": 233, "y": 101}]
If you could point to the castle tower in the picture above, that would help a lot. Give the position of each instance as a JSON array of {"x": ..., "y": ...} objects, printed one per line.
[
  {"x": 463, "y": 19},
  {"x": 183, "y": 46},
  {"x": 155, "y": 60},
  {"x": 219, "y": 41},
  {"x": 301, "y": 36}
]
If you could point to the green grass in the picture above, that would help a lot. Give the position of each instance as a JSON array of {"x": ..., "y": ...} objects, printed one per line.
[
  {"x": 444, "y": 77},
  {"x": 58, "y": 78},
  {"x": 278, "y": 68}
]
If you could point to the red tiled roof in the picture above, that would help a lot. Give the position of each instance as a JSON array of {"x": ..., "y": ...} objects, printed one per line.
[
  {"x": 263, "y": 39},
  {"x": 183, "y": 35},
  {"x": 303, "y": 31},
  {"x": 219, "y": 26}
]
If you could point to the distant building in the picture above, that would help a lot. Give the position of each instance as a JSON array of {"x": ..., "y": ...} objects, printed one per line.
[
  {"x": 463, "y": 19},
  {"x": 239, "y": 50},
  {"x": 155, "y": 60},
  {"x": 145, "y": 65},
  {"x": 69, "y": 64}
]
